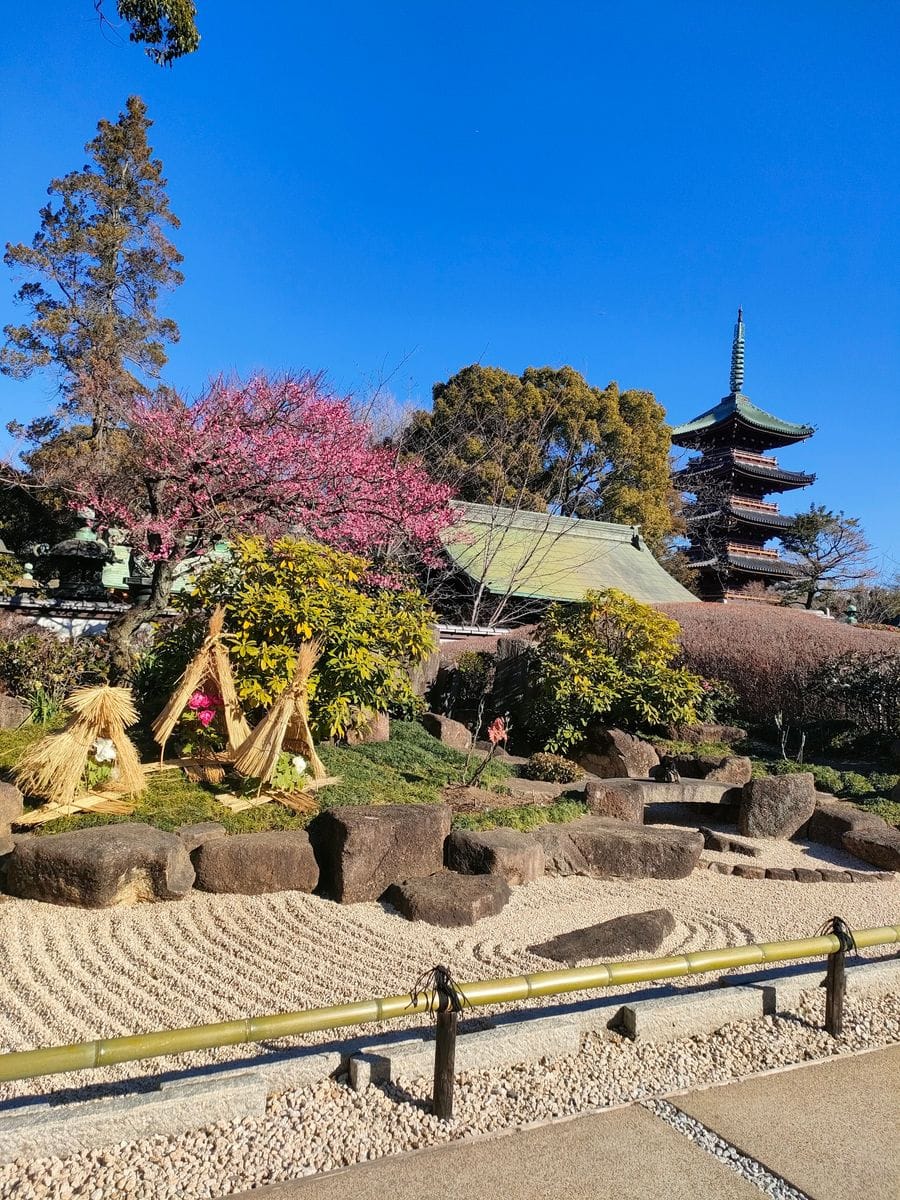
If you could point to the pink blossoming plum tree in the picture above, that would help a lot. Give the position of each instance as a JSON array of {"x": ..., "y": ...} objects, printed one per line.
[{"x": 262, "y": 457}]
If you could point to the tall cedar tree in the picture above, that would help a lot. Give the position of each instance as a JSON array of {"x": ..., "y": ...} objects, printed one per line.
[
  {"x": 830, "y": 552},
  {"x": 96, "y": 268},
  {"x": 548, "y": 440}
]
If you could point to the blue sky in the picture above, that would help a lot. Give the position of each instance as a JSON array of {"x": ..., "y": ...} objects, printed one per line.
[{"x": 404, "y": 189}]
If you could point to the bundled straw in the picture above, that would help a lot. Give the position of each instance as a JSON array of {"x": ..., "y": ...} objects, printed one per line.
[
  {"x": 284, "y": 727},
  {"x": 54, "y": 767},
  {"x": 209, "y": 666}
]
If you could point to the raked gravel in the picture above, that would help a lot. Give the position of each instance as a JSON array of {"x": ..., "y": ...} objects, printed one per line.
[
  {"x": 69, "y": 974},
  {"x": 329, "y": 1126}
]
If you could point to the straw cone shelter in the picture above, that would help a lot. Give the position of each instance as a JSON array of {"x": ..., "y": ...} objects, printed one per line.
[
  {"x": 209, "y": 669},
  {"x": 54, "y": 766},
  {"x": 284, "y": 727}
]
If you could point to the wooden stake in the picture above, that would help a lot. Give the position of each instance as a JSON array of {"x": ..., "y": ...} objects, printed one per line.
[
  {"x": 836, "y": 984},
  {"x": 444, "y": 1064}
]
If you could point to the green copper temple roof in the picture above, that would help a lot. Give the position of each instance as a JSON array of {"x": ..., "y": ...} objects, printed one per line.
[
  {"x": 540, "y": 556},
  {"x": 741, "y": 406}
]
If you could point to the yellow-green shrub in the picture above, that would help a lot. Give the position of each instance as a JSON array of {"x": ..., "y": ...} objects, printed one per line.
[
  {"x": 608, "y": 658},
  {"x": 279, "y": 594}
]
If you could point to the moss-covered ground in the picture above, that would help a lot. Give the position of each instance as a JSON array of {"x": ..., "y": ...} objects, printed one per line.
[{"x": 411, "y": 768}]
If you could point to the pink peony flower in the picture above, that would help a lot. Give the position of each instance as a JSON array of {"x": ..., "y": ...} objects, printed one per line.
[
  {"x": 206, "y": 716},
  {"x": 200, "y": 700}
]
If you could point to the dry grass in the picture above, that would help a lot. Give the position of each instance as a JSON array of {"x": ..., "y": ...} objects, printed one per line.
[
  {"x": 285, "y": 726},
  {"x": 769, "y": 654},
  {"x": 54, "y": 767}
]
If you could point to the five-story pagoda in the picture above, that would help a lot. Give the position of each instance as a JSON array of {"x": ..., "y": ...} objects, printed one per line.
[{"x": 730, "y": 520}]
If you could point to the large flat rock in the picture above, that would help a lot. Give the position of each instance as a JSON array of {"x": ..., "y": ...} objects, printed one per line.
[
  {"x": 449, "y": 899},
  {"x": 633, "y": 933},
  {"x": 361, "y": 850},
  {"x": 561, "y": 855},
  {"x": 516, "y": 856},
  {"x": 613, "y": 850},
  {"x": 833, "y": 818},
  {"x": 251, "y": 864},
  {"x": 881, "y": 847},
  {"x": 97, "y": 868}
]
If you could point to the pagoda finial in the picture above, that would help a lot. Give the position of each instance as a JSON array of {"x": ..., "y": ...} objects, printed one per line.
[{"x": 737, "y": 353}]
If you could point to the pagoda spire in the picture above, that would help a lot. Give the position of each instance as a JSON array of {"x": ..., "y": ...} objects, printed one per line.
[{"x": 737, "y": 354}]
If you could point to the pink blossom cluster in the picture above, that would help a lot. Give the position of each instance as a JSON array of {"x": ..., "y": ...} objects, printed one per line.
[
  {"x": 205, "y": 705},
  {"x": 264, "y": 457}
]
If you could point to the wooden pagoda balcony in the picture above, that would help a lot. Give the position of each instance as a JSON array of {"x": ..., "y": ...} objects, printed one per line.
[
  {"x": 753, "y": 551},
  {"x": 760, "y": 506}
]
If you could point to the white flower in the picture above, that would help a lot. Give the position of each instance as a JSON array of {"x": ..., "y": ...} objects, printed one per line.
[
  {"x": 298, "y": 762},
  {"x": 104, "y": 751}
]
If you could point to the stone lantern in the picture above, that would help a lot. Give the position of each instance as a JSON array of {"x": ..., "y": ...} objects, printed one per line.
[{"x": 78, "y": 563}]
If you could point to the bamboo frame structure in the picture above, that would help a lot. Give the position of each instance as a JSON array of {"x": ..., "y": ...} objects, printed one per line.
[
  {"x": 284, "y": 727},
  {"x": 210, "y": 664},
  {"x": 81, "y": 1056}
]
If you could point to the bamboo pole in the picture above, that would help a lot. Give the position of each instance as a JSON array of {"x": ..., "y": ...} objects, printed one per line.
[{"x": 26, "y": 1064}]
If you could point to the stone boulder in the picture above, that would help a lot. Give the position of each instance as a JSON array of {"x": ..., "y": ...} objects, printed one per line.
[
  {"x": 776, "y": 806},
  {"x": 727, "y": 843},
  {"x": 370, "y": 727},
  {"x": 636, "y": 933},
  {"x": 515, "y": 856},
  {"x": 622, "y": 800},
  {"x": 13, "y": 712},
  {"x": 449, "y": 899},
  {"x": 880, "y": 847},
  {"x": 449, "y": 732},
  {"x": 196, "y": 835},
  {"x": 705, "y": 732},
  {"x": 251, "y": 864},
  {"x": 97, "y": 868},
  {"x": 833, "y": 818},
  {"x": 11, "y": 806},
  {"x": 561, "y": 855},
  {"x": 363, "y": 849},
  {"x": 613, "y": 754},
  {"x": 614, "y": 850},
  {"x": 735, "y": 769}
]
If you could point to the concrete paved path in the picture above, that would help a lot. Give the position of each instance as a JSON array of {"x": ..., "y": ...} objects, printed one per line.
[
  {"x": 625, "y": 1154},
  {"x": 831, "y": 1129}
]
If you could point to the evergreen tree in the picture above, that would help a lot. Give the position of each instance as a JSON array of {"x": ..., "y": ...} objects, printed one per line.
[
  {"x": 95, "y": 270},
  {"x": 550, "y": 441}
]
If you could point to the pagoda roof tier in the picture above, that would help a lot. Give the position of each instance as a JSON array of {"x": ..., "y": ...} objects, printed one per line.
[
  {"x": 734, "y": 413},
  {"x": 749, "y": 466},
  {"x": 751, "y": 564},
  {"x": 759, "y": 518}
]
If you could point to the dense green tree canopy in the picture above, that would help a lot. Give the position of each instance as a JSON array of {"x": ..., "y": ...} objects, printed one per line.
[
  {"x": 94, "y": 272},
  {"x": 550, "y": 440},
  {"x": 167, "y": 28}
]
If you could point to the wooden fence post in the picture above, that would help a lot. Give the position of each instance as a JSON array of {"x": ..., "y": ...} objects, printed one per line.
[
  {"x": 836, "y": 978},
  {"x": 444, "y": 1064}
]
